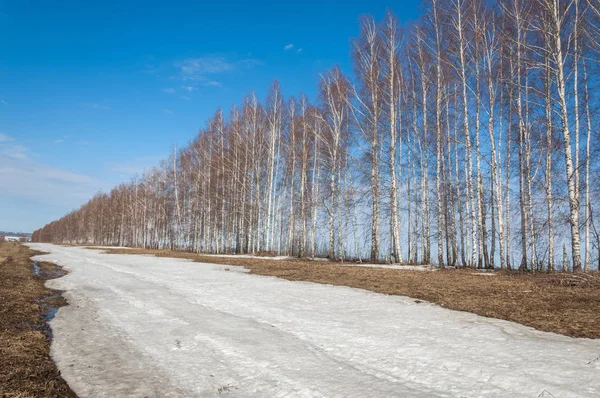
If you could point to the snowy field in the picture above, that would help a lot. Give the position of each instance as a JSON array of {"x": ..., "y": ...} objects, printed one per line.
[{"x": 158, "y": 327}]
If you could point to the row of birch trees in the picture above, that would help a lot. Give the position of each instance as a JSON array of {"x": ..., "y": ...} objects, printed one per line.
[{"x": 466, "y": 138}]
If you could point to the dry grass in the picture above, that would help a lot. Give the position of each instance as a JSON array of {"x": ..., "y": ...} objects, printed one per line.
[
  {"x": 562, "y": 303},
  {"x": 26, "y": 369}
]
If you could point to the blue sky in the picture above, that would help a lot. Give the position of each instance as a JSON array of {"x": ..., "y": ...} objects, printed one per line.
[{"x": 92, "y": 92}]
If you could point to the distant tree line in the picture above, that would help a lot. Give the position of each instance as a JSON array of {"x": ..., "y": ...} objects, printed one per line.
[{"x": 466, "y": 138}]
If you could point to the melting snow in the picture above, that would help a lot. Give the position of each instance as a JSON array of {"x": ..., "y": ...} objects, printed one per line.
[{"x": 145, "y": 326}]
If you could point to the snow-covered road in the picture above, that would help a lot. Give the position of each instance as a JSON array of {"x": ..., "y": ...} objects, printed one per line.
[{"x": 143, "y": 326}]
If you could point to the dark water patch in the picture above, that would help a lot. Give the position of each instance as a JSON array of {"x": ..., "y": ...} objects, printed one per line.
[
  {"x": 47, "y": 270},
  {"x": 47, "y": 307},
  {"x": 49, "y": 304},
  {"x": 58, "y": 294}
]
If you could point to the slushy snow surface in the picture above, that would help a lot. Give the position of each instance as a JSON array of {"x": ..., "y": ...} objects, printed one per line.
[{"x": 143, "y": 326}]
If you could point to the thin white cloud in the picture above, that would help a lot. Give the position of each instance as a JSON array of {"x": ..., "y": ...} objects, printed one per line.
[
  {"x": 5, "y": 138},
  {"x": 213, "y": 83},
  {"x": 99, "y": 106},
  {"x": 3, "y": 102},
  {"x": 169, "y": 90},
  {"x": 248, "y": 63},
  {"x": 151, "y": 69},
  {"x": 31, "y": 182},
  {"x": 288, "y": 47},
  {"x": 204, "y": 66},
  {"x": 189, "y": 89},
  {"x": 25, "y": 179},
  {"x": 198, "y": 69},
  {"x": 58, "y": 141},
  {"x": 299, "y": 50},
  {"x": 167, "y": 111},
  {"x": 43, "y": 192},
  {"x": 13, "y": 151},
  {"x": 185, "y": 97},
  {"x": 10, "y": 149}
]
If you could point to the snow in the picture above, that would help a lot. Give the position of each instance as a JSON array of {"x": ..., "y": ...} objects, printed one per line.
[
  {"x": 146, "y": 326},
  {"x": 347, "y": 264},
  {"x": 390, "y": 266},
  {"x": 107, "y": 247},
  {"x": 249, "y": 256}
]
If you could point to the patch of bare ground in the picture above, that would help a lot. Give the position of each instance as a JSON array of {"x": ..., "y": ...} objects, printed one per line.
[
  {"x": 26, "y": 369},
  {"x": 567, "y": 304}
]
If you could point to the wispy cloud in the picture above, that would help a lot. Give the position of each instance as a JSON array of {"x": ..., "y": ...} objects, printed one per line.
[
  {"x": 58, "y": 141},
  {"x": 27, "y": 181},
  {"x": 288, "y": 47},
  {"x": 185, "y": 97},
  {"x": 3, "y": 102},
  {"x": 10, "y": 149},
  {"x": 189, "y": 89},
  {"x": 169, "y": 90},
  {"x": 15, "y": 151},
  {"x": 213, "y": 83},
  {"x": 194, "y": 67},
  {"x": 198, "y": 69},
  {"x": 167, "y": 111},
  {"x": 5, "y": 138},
  {"x": 299, "y": 50},
  {"x": 99, "y": 106},
  {"x": 23, "y": 178},
  {"x": 151, "y": 69}
]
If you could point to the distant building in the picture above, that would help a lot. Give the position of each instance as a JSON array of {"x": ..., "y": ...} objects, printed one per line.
[{"x": 14, "y": 236}]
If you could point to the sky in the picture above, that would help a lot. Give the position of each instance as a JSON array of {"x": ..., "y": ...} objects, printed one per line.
[{"x": 93, "y": 92}]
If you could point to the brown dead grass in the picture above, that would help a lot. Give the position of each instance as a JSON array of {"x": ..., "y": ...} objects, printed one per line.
[
  {"x": 26, "y": 369},
  {"x": 567, "y": 304}
]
